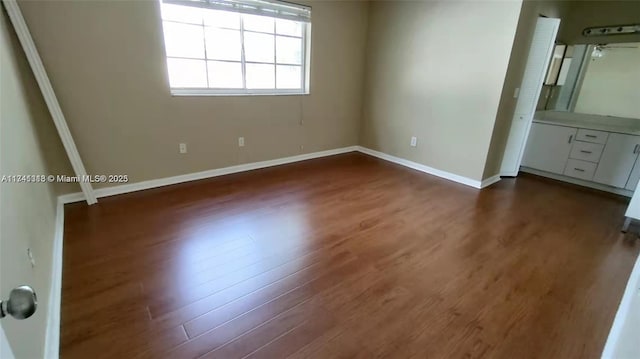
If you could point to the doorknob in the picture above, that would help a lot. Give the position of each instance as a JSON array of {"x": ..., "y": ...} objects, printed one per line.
[{"x": 22, "y": 303}]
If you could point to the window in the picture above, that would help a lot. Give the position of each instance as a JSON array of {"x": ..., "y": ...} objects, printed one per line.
[{"x": 228, "y": 47}]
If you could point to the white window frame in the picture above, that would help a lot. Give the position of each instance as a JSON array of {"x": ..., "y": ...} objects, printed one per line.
[{"x": 305, "y": 66}]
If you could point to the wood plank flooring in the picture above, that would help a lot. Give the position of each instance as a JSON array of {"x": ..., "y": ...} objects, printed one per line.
[{"x": 344, "y": 257}]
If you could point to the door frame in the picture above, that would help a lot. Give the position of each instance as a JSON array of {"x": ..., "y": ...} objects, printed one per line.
[{"x": 525, "y": 107}]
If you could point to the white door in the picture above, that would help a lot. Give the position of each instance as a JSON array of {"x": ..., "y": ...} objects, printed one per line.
[
  {"x": 634, "y": 178},
  {"x": 5, "y": 348},
  {"x": 619, "y": 156},
  {"x": 548, "y": 147},
  {"x": 28, "y": 210},
  {"x": 537, "y": 63}
]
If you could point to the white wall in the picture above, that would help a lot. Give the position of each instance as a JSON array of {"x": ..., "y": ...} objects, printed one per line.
[{"x": 611, "y": 85}]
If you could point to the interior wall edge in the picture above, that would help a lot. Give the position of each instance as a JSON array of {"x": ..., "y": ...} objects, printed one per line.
[
  {"x": 424, "y": 168},
  {"x": 40, "y": 73},
  {"x": 529, "y": 13},
  {"x": 52, "y": 336}
]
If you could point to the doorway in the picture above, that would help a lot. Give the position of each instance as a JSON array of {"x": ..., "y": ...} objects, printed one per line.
[{"x": 542, "y": 47}]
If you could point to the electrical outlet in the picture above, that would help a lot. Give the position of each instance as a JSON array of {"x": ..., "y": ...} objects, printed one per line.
[
  {"x": 414, "y": 141},
  {"x": 183, "y": 148},
  {"x": 240, "y": 141},
  {"x": 31, "y": 259},
  {"x": 516, "y": 92}
]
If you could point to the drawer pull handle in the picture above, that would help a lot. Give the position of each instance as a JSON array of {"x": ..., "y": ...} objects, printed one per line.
[
  {"x": 583, "y": 151},
  {"x": 591, "y": 136},
  {"x": 578, "y": 169},
  {"x": 635, "y": 149},
  {"x": 570, "y": 138}
]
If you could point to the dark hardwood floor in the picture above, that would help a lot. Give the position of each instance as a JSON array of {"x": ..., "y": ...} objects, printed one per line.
[{"x": 344, "y": 257}]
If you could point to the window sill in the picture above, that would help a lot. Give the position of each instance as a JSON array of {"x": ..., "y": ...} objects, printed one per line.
[{"x": 200, "y": 93}]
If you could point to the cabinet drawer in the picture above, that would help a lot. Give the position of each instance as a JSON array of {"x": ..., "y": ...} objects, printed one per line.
[
  {"x": 592, "y": 136},
  {"x": 580, "y": 169},
  {"x": 586, "y": 151}
]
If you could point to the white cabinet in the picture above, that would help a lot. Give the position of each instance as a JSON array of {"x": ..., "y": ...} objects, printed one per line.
[
  {"x": 580, "y": 169},
  {"x": 592, "y": 136},
  {"x": 634, "y": 178},
  {"x": 586, "y": 151},
  {"x": 600, "y": 157},
  {"x": 619, "y": 156},
  {"x": 548, "y": 147}
]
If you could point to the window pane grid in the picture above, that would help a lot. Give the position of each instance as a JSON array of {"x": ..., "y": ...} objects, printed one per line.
[
  {"x": 232, "y": 61},
  {"x": 275, "y": 61},
  {"x": 242, "y": 55},
  {"x": 231, "y": 28},
  {"x": 204, "y": 43},
  {"x": 269, "y": 33}
]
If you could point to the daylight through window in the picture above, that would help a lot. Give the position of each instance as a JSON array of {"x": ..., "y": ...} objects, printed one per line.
[{"x": 236, "y": 47}]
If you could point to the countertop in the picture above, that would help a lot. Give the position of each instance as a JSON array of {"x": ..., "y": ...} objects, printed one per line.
[{"x": 629, "y": 126}]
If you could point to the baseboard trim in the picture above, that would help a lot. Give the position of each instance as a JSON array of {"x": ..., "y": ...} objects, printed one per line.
[
  {"x": 579, "y": 182},
  {"x": 426, "y": 169},
  {"x": 52, "y": 339},
  {"x": 633, "y": 286},
  {"x": 489, "y": 181},
  {"x": 167, "y": 181},
  {"x": 71, "y": 197},
  {"x": 161, "y": 182}
]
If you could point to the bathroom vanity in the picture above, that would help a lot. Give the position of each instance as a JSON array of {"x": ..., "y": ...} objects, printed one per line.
[{"x": 590, "y": 150}]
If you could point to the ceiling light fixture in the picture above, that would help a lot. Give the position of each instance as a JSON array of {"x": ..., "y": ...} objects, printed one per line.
[{"x": 612, "y": 30}]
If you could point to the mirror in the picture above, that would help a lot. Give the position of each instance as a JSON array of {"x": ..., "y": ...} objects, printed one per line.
[
  {"x": 553, "y": 74},
  {"x": 601, "y": 79}
]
